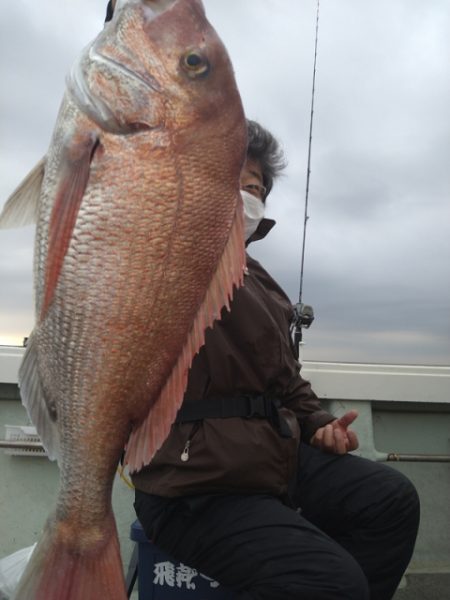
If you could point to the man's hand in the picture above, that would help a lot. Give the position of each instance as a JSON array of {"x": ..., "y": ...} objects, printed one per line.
[{"x": 336, "y": 437}]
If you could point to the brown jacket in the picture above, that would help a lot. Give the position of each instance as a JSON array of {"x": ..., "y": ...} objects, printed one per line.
[{"x": 248, "y": 350}]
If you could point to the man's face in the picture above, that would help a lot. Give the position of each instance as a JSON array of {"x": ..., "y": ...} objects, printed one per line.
[{"x": 252, "y": 179}]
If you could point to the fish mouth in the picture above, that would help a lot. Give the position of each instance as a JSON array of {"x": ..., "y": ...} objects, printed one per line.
[
  {"x": 151, "y": 10},
  {"x": 101, "y": 58},
  {"x": 93, "y": 104},
  {"x": 149, "y": 81}
]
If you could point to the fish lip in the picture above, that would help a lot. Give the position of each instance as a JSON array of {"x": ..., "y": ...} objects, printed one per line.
[
  {"x": 149, "y": 81},
  {"x": 94, "y": 105},
  {"x": 84, "y": 98}
]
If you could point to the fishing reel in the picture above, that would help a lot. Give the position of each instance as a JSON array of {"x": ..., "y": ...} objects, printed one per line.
[
  {"x": 302, "y": 319},
  {"x": 303, "y": 315}
]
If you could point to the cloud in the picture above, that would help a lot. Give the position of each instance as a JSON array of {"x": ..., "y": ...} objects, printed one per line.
[{"x": 377, "y": 244}]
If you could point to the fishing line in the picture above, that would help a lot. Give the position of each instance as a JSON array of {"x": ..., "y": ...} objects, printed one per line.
[{"x": 124, "y": 478}]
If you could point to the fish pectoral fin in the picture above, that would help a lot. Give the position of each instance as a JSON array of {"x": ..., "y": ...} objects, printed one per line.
[
  {"x": 22, "y": 206},
  {"x": 75, "y": 168},
  {"x": 147, "y": 437},
  {"x": 42, "y": 414}
]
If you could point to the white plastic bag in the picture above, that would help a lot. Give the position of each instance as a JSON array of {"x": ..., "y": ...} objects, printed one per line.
[{"x": 11, "y": 569}]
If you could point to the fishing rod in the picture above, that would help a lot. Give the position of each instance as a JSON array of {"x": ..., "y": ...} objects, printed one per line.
[{"x": 303, "y": 313}]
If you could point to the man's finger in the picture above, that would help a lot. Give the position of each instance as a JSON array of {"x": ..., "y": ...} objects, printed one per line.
[
  {"x": 340, "y": 446},
  {"x": 352, "y": 440},
  {"x": 347, "y": 419},
  {"x": 328, "y": 438},
  {"x": 317, "y": 438}
]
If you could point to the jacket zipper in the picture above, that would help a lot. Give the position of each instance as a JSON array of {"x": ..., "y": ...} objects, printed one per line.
[{"x": 185, "y": 454}]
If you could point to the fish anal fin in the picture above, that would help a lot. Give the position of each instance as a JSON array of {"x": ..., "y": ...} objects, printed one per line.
[
  {"x": 33, "y": 397},
  {"x": 69, "y": 194},
  {"x": 150, "y": 434},
  {"x": 22, "y": 206}
]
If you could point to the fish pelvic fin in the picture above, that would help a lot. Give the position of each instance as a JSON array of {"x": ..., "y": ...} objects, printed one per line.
[
  {"x": 150, "y": 434},
  {"x": 42, "y": 414},
  {"x": 61, "y": 568},
  {"x": 76, "y": 168},
  {"x": 21, "y": 208}
]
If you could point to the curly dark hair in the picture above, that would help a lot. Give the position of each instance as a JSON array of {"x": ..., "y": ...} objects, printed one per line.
[{"x": 263, "y": 147}]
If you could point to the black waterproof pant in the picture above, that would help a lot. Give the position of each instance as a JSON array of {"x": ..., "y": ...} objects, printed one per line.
[{"x": 351, "y": 539}]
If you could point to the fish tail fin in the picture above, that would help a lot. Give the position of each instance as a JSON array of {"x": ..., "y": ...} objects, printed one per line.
[{"x": 60, "y": 569}]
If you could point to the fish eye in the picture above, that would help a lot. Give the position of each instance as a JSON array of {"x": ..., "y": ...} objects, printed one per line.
[{"x": 195, "y": 63}]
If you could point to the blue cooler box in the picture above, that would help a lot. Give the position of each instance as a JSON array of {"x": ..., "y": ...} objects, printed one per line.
[{"x": 162, "y": 578}]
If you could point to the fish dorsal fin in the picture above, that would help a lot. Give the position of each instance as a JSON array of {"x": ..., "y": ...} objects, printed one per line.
[
  {"x": 148, "y": 437},
  {"x": 33, "y": 397},
  {"x": 68, "y": 197},
  {"x": 22, "y": 206}
]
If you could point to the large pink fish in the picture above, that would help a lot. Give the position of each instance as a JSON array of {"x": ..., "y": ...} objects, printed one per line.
[{"x": 139, "y": 244}]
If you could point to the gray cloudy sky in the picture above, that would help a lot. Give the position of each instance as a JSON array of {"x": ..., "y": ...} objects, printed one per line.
[{"x": 378, "y": 243}]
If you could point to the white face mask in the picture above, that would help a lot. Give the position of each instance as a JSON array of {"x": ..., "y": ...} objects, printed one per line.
[{"x": 253, "y": 212}]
